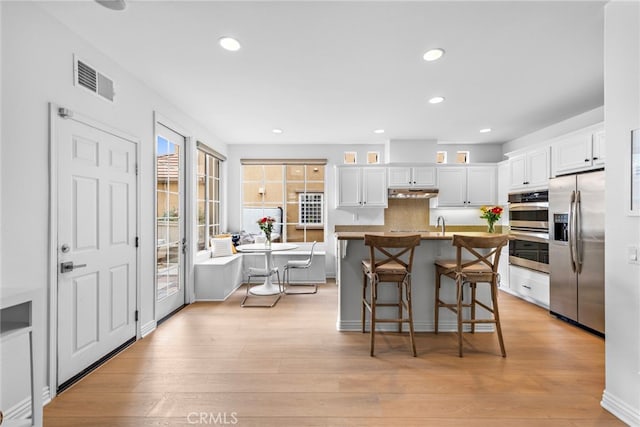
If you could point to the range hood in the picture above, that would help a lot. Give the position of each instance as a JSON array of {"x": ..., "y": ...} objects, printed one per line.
[{"x": 412, "y": 193}]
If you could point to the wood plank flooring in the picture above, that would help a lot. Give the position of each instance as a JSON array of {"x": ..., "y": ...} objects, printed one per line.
[{"x": 220, "y": 364}]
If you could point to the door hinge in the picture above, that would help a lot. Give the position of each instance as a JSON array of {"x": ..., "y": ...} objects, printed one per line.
[
  {"x": 65, "y": 113},
  {"x": 136, "y": 316},
  {"x": 137, "y": 241},
  {"x": 136, "y": 169}
]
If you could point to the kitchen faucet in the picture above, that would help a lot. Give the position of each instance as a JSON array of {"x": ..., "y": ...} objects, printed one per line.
[{"x": 442, "y": 227}]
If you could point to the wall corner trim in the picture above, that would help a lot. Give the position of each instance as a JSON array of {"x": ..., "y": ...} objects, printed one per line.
[{"x": 147, "y": 328}]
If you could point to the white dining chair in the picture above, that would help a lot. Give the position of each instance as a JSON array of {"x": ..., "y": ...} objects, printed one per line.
[
  {"x": 261, "y": 273},
  {"x": 298, "y": 264}
]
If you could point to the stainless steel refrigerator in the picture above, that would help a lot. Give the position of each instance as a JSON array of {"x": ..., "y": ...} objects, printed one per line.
[{"x": 576, "y": 248}]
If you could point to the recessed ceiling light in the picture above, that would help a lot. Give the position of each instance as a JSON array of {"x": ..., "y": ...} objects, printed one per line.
[
  {"x": 229, "y": 43},
  {"x": 433, "y": 54},
  {"x": 378, "y": 131},
  {"x": 113, "y": 4},
  {"x": 485, "y": 130},
  {"x": 277, "y": 131},
  {"x": 436, "y": 100}
]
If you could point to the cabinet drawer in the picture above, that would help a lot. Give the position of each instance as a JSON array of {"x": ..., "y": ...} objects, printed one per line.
[{"x": 530, "y": 285}]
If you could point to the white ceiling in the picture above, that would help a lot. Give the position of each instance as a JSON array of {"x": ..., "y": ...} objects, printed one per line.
[{"x": 332, "y": 72}]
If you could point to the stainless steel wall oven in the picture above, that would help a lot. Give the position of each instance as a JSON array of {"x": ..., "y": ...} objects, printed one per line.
[{"x": 529, "y": 222}]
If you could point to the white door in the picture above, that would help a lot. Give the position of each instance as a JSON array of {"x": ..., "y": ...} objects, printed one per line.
[
  {"x": 349, "y": 186},
  {"x": 170, "y": 221},
  {"x": 481, "y": 185},
  {"x": 452, "y": 183},
  {"x": 97, "y": 268},
  {"x": 374, "y": 187}
]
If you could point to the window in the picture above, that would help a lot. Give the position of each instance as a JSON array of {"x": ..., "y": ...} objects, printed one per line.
[
  {"x": 310, "y": 209},
  {"x": 462, "y": 157},
  {"x": 208, "y": 196},
  {"x": 373, "y": 157},
  {"x": 292, "y": 191},
  {"x": 350, "y": 158},
  {"x": 441, "y": 157}
]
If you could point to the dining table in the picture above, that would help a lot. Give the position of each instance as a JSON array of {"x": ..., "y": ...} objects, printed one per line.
[{"x": 267, "y": 288}]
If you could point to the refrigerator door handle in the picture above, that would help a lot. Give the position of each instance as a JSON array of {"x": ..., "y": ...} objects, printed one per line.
[
  {"x": 578, "y": 233},
  {"x": 572, "y": 230}
]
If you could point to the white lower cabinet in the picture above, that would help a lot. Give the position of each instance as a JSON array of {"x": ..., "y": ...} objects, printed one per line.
[
  {"x": 529, "y": 285},
  {"x": 503, "y": 268}
]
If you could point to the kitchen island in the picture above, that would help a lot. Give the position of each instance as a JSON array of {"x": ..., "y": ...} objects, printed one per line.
[{"x": 351, "y": 250}]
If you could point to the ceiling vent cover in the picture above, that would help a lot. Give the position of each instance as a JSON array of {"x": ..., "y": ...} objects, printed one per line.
[{"x": 87, "y": 77}]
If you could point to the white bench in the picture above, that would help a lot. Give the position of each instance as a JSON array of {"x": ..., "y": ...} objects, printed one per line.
[{"x": 217, "y": 278}]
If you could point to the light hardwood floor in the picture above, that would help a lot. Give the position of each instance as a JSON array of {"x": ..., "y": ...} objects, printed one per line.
[{"x": 288, "y": 366}]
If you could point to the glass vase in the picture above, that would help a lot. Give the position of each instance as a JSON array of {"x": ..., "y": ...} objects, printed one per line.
[
  {"x": 490, "y": 227},
  {"x": 267, "y": 242}
]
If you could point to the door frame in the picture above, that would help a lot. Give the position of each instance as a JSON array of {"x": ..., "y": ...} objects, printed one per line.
[
  {"x": 189, "y": 147},
  {"x": 52, "y": 255}
]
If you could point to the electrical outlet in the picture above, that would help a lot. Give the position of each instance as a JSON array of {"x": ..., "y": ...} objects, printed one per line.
[{"x": 632, "y": 255}]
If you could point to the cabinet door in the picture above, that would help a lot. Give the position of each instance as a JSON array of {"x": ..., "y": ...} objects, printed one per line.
[
  {"x": 517, "y": 171},
  {"x": 349, "y": 186},
  {"x": 399, "y": 177},
  {"x": 538, "y": 167},
  {"x": 481, "y": 185},
  {"x": 572, "y": 154},
  {"x": 452, "y": 183},
  {"x": 374, "y": 187},
  {"x": 424, "y": 176},
  {"x": 503, "y": 183},
  {"x": 598, "y": 152}
]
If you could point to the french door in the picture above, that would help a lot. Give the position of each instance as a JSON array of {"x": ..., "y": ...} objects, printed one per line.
[{"x": 170, "y": 221}]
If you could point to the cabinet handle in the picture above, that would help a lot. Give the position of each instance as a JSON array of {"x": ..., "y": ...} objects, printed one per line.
[
  {"x": 595, "y": 158},
  {"x": 527, "y": 287},
  {"x": 587, "y": 160},
  {"x": 525, "y": 183}
]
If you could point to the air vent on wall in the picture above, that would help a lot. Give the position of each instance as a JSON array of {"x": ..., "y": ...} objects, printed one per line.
[{"x": 87, "y": 77}]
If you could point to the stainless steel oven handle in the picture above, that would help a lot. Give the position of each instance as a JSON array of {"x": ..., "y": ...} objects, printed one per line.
[
  {"x": 571, "y": 230},
  {"x": 578, "y": 233},
  {"x": 533, "y": 206}
]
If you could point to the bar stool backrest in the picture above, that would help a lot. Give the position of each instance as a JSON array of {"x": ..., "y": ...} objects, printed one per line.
[
  {"x": 391, "y": 255},
  {"x": 480, "y": 263}
]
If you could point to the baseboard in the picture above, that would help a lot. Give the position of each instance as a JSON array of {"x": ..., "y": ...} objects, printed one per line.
[
  {"x": 147, "y": 328},
  {"x": 219, "y": 299},
  {"x": 356, "y": 326},
  {"x": 22, "y": 409},
  {"x": 620, "y": 409}
]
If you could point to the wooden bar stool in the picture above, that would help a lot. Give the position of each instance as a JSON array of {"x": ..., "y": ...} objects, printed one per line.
[
  {"x": 480, "y": 267},
  {"x": 391, "y": 258}
]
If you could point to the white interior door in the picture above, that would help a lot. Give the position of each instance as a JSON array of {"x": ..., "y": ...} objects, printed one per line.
[
  {"x": 97, "y": 266},
  {"x": 170, "y": 220}
]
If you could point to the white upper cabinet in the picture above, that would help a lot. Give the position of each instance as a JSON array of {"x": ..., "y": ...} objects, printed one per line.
[
  {"x": 503, "y": 183},
  {"x": 419, "y": 176},
  {"x": 579, "y": 151},
  {"x": 361, "y": 186},
  {"x": 530, "y": 169},
  {"x": 481, "y": 185},
  {"x": 466, "y": 186}
]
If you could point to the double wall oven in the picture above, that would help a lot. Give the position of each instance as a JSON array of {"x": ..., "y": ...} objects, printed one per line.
[{"x": 529, "y": 222}]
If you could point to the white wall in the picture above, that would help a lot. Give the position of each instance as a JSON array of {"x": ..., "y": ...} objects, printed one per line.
[
  {"x": 37, "y": 69},
  {"x": 425, "y": 150},
  {"x": 622, "y": 280},
  {"x": 563, "y": 127}
]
